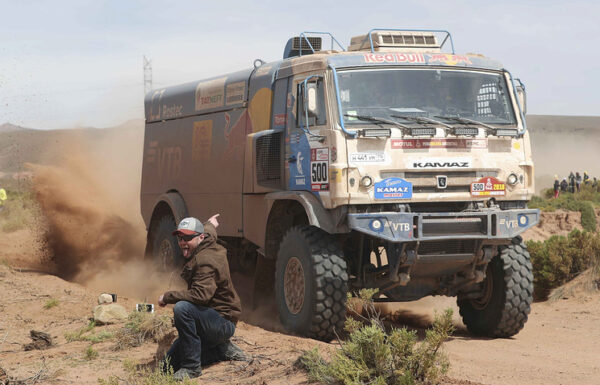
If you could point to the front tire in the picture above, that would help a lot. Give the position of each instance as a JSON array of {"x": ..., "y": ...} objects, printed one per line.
[
  {"x": 507, "y": 294},
  {"x": 165, "y": 250},
  {"x": 311, "y": 283}
]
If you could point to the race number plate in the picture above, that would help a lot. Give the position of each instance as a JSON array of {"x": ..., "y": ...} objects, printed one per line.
[
  {"x": 488, "y": 186},
  {"x": 319, "y": 169}
]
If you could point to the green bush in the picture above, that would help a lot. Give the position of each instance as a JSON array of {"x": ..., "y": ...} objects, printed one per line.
[
  {"x": 140, "y": 327},
  {"x": 370, "y": 355},
  {"x": 583, "y": 202},
  {"x": 559, "y": 259}
]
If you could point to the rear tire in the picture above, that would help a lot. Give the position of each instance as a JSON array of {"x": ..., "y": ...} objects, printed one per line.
[
  {"x": 508, "y": 293},
  {"x": 311, "y": 283},
  {"x": 165, "y": 249}
]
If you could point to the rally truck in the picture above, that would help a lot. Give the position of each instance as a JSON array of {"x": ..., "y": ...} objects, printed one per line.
[{"x": 394, "y": 164}]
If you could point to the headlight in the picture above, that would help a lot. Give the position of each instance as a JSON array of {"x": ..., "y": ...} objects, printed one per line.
[
  {"x": 366, "y": 181},
  {"x": 512, "y": 179},
  {"x": 376, "y": 225}
]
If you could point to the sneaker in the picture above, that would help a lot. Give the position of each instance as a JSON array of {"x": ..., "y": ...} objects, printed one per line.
[
  {"x": 232, "y": 352},
  {"x": 185, "y": 373}
]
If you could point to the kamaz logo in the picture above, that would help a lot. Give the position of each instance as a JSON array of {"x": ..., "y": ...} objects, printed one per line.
[
  {"x": 392, "y": 189},
  {"x": 440, "y": 164}
]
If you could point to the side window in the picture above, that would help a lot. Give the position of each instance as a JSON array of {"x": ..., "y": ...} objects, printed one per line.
[{"x": 320, "y": 117}]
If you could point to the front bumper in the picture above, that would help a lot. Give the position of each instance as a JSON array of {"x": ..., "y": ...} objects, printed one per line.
[{"x": 407, "y": 227}]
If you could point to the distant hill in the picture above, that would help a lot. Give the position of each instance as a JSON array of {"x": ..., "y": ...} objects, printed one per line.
[{"x": 560, "y": 123}]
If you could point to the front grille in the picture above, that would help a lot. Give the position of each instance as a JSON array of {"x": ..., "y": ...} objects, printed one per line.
[
  {"x": 268, "y": 159},
  {"x": 426, "y": 182},
  {"x": 447, "y": 247},
  {"x": 444, "y": 225}
]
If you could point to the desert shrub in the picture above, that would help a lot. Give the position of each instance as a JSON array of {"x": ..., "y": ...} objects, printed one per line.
[
  {"x": 140, "y": 327},
  {"x": 582, "y": 202},
  {"x": 94, "y": 338},
  {"x": 90, "y": 354},
  {"x": 371, "y": 355},
  {"x": 163, "y": 375},
  {"x": 52, "y": 302},
  {"x": 20, "y": 210},
  {"x": 559, "y": 259}
]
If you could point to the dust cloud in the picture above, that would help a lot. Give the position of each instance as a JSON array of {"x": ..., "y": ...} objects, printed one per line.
[{"x": 89, "y": 199}]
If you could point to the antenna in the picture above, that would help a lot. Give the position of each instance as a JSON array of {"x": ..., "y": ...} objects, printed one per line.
[{"x": 147, "y": 75}]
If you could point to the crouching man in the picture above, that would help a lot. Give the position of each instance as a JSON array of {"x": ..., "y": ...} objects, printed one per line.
[{"x": 207, "y": 312}]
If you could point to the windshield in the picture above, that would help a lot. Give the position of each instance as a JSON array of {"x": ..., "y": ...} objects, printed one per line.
[{"x": 398, "y": 94}]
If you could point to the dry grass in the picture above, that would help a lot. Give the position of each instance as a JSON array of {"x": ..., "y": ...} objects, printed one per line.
[
  {"x": 142, "y": 327},
  {"x": 52, "y": 302},
  {"x": 19, "y": 211}
]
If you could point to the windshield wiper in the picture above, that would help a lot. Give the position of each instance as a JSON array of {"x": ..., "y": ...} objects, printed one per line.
[
  {"x": 466, "y": 121},
  {"x": 378, "y": 120},
  {"x": 421, "y": 119}
]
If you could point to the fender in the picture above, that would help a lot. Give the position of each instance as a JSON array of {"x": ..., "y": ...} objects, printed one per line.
[
  {"x": 332, "y": 221},
  {"x": 176, "y": 204}
]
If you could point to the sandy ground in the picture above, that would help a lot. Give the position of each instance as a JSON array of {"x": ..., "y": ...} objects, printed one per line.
[
  {"x": 558, "y": 344},
  {"x": 90, "y": 180}
]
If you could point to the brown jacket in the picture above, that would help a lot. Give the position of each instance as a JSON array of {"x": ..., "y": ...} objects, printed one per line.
[{"x": 208, "y": 279}]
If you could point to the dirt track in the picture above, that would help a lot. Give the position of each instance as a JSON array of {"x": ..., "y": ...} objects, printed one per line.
[{"x": 558, "y": 345}]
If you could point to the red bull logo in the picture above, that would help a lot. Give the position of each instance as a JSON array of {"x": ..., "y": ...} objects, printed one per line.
[
  {"x": 394, "y": 57},
  {"x": 448, "y": 59}
]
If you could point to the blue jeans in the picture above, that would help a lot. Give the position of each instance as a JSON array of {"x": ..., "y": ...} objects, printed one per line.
[{"x": 200, "y": 330}]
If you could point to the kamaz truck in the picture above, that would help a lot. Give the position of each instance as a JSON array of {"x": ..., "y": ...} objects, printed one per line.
[{"x": 395, "y": 164}]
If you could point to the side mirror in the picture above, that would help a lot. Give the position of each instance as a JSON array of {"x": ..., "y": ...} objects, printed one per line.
[
  {"x": 522, "y": 95},
  {"x": 312, "y": 104}
]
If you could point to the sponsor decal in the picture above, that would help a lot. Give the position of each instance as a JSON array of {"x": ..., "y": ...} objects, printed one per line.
[
  {"x": 439, "y": 143},
  {"x": 300, "y": 181},
  {"x": 202, "y": 140},
  {"x": 151, "y": 154},
  {"x": 155, "y": 104},
  {"x": 399, "y": 226},
  {"x": 508, "y": 223},
  {"x": 393, "y": 188},
  {"x": 319, "y": 169},
  {"x": 394, "y": 57},
  {"x": 440, "y": 163},
  {"x": 448, "y": 59},
  {"x": 367, "y": 157},
  {"x": 299, "y": 159},
  {"x": 174, "y": 111},
  {"x": 279, "y": 120},
  {"x": 209, "y": 94},
  {"x": 523, "y": 220},
  {"x": 235, "y": 93},
  {"x": 488, "y": 186}
]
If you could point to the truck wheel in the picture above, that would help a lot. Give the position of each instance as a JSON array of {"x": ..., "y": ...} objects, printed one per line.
[
  {"x": 165, "y": 250},
  {"x": 311, "y": 283},
  {"x": 508, "y": 293}
]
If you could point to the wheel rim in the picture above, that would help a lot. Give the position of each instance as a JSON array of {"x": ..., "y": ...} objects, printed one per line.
[
  {"x": 293, "y": 285},
  {"x": 487, "y": 290},
  {"x": 165, "y": 253}
]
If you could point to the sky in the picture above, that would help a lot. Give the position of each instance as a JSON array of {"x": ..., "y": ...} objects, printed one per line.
[{"x": 77, "y": 63}]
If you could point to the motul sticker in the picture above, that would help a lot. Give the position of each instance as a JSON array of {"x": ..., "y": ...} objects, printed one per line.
[
  {"x": 393, "y": 188},
  {"x": 319, "y": 169},
  {"x": 488, "y": 186}
]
